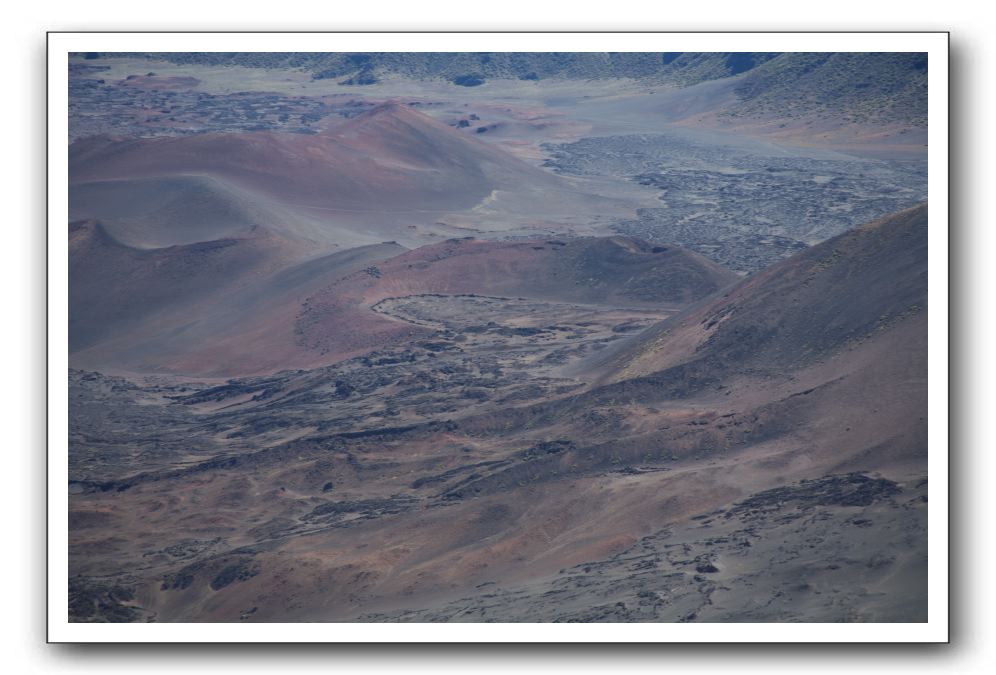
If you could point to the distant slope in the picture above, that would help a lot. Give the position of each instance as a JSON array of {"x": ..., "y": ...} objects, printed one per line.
[
  {"x": 366, "y": 67},
  {"x": 862, "y": 87},
  {"x": 865, "y": 86}
]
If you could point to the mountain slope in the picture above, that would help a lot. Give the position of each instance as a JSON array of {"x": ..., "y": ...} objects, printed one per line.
[
  {"x": 149, "y": 309},
  {"x": 871, "y": 87},
  {"x": 113, "y": 286},
  {"x": 366, "y": 68},
  {"x": 832, "y": 296},
  {"x": 816, "y": 366},
  {"x": 179, "y": 209}
]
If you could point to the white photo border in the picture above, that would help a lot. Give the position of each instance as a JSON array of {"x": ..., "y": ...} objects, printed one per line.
[{"x": 935, "y": 44}]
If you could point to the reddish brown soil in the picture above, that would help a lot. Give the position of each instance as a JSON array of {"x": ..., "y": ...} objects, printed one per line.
[
  {"x": 617, "y": 270},
  {"x": 391, "y": 158}
]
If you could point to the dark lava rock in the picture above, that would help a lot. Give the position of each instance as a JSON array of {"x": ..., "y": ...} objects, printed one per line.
[
  {"x": 469, "y": 80},
  {"x": 240, "y": 571},
  {"x": 543, "y": 448},
  {"x": 853, "y": 489},
  {"x": 91, "y": 600},
  {"x": 178, "y": 581},
  {"x": 365, "y": 508}
]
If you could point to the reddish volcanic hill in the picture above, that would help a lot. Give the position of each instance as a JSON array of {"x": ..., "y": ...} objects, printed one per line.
[
  {"x": 388, "y": 158},
  {"x": 617, "y": 270},
  {"x": 386, "y": 169},
  {"x": 235, "y": 306}
]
